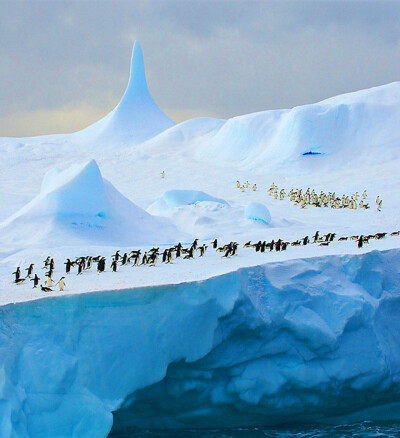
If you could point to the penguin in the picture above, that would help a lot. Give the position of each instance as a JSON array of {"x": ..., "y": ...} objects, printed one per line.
[
  {"x": 178, "y": 249},
  {"x": 19, "y": 281},
  {"x": 153, "y": 259},
  {"x": 30, "y": 270},
  {"x": 46, "y": 262},
  {"x": 306, "y": 240},
  {"x": 254, "y": 187},
  {"x": 61, "y": 284},
  {"x": 316, "y": 236},
  {"x": 284, "y": 246},
  {"x": 116, "y": 256},
  {"x": 35, "y": 280},
  {"x": 81, "y": 265},
  {"x": 215, "y": 243},
  {"x": 227, "y": 252},
  {"x": 263, "y": 246},
  {"x": 378, "y": 236},
  {"x": 162, "y": 174},
  {"x": 296, "y": 243},
  {"x": 52, "y": 265},
  {"x": 17, "y": 274},
  {"x": 124, "y": 259},
  {"x": 202, "y": 249},
  {"x": 101, "y": 265},
  {"x": 238, "y": 184},
  {"x": 360, "y": 241},
  {"x": 165, "y": 255},
  {"x": 137, "y": 258},
  {"x": 189, "y": 253},
  {"x": 144, "y": 259},
  {"x": 49, "y": 281},
  {"x": 247, "y": 244},
  {"x": 68, "y": 265},
  {"x": 341, "y": 239},
  {"x": 272, "y": 245},
  {"x": 242, "y": 189},
  {"x": 194, "y": 244},
  {"x": 114, "y": 265},
  {"x": 395, "y": 233},
  {"x": 278, "y": 245},
  {"x": 89, "y": 262},
  {"x": 45, "y": 288},
  {"x": 247, "y": 185},
  {"x": 169, "y": 256}
]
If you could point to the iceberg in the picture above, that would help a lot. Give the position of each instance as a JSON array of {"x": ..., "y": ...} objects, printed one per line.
[
  {"x": 258, "y": 212},
  {"x": 253, "y": 347}
]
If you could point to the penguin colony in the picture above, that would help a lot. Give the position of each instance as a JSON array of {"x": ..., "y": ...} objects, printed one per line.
[
  {"x": 150, "y": 258},
  {"x": 310, "y": 197}
]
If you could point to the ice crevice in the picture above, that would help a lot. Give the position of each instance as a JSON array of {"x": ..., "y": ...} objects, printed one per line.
[{"x": 261, "y": 345}]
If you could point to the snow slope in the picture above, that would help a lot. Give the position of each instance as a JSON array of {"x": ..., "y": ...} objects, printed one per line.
[
  {"x": 256, "y": 346},
  {"x": 77, "y": 205}
]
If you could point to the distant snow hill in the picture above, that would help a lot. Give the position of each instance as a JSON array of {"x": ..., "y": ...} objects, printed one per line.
[{"x": 78, "y": 204}]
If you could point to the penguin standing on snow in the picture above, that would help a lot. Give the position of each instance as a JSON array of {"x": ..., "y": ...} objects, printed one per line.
[
  {"x": 116, "y": 256},
  {"x": 114, "y": 265},
  {"x": 61, "y": 283},
  {"x": 215, "y": 243},
  {"x": 49, "y": 281},
  {"x": 316, "y": 236},
  {"x": 360, "y": 241},
  {"x": 35, "y": 280},
  {"x": 68, "y": 265},
  {"x": 29, "y": 270},
  {"x": 178, "y": 249},
  {"x": 202, "y": 249},
  {"x": 194, "y": 244},
  {"x": 124, "y": 259},
  {"x": 17, "y": 274},
  {"x": 101, "y": 265}
]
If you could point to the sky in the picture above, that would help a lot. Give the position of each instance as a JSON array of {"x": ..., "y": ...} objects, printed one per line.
[{"x": 65, "y": 64}]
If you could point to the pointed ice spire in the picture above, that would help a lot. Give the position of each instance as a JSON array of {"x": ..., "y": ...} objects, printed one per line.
[{"x": 137, "y": 86}]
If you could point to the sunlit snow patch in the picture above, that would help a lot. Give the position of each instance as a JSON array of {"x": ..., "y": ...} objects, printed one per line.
[{"x": 258, "y": 212}]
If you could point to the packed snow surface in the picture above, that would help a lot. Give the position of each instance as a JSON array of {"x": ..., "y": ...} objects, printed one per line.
[
  {"x": 307, "y": 334},
  {"x": 258, "y": 212}
]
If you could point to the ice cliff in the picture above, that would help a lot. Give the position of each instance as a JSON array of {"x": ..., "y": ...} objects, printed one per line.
[{"x": 301, "y": 340}]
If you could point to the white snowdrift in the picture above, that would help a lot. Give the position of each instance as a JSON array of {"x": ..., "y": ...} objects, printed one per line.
[
  {"x": 255, "y": 347},
  {"x": 78, "y": 205}
]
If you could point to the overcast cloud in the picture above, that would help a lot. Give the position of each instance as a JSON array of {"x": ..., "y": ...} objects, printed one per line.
[{"x": 65, "y": 64}]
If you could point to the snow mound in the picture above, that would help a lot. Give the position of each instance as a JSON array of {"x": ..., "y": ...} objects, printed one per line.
[
  {"x": 258, "y": 212},
  {"x": 357, "y": 128},
  {"x": 136, "y": 118},
  {"x": 78, "y": 204},
  {"x": 179, "y": 198}
]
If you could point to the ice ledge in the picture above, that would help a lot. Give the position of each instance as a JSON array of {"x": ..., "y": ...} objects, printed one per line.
[{"x": 307, "y": 339}]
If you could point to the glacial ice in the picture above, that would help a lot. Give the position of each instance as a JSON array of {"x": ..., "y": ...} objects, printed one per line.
[
  {"x": 301, "y": 340},
  {"x": 258, "y": 212}
]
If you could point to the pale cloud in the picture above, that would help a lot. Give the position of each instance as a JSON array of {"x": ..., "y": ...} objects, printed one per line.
[{"x": 205, "y": 58}]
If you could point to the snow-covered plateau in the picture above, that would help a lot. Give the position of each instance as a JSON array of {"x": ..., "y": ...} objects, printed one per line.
[{"x": 259, "y": 338}]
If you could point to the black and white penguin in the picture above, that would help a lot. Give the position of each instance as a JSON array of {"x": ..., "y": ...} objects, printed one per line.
[
  {"x": 145, "y": 259},
  {"x": 52, "y": 265},
  {"x": 272, "y": 243},
  {"x": 247, "y": 244},
  {"x": 68, "y": 265},
  {"x": 19, "y": 281},
  {"x": 45, "y": 288},
  {"x": 278, "y": 245},
  {"x": 306, "y": 240},
  {"x": 194, "y": 244},
  {"x": 178, "y": 249},
  {"x": 189, "y": 254},
  {"x": 29, "y": 270},
  {"x": 360, "y": 241},
  {"x": 35, "y": 280},
  {"x": 17, "y": 274},
  {"x": 153, "y": 258},
  {"x": 202, "y": 249},
  {"x": 165, "y": 255},
  {"x": 316, "y": 236},
  {"x": 101, "y": 265},
  {"x": 81, "y": 265},
  {"x": 116, "y": 256},
  {"x": 215, "y": 243},
  {"x": 61, "y": 284},
  {"x": 46, "y": 262},
  {"x": 124, "y": 259},
  {"x": 114, "y": 265}
]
